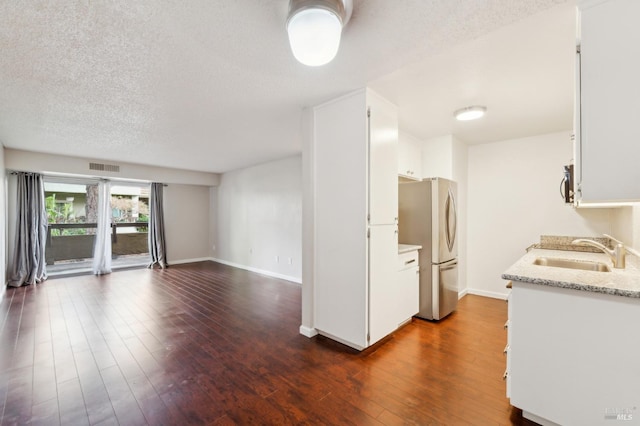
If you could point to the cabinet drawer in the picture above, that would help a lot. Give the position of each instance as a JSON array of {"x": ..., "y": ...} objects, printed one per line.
[{"x": 408, "y": 260}]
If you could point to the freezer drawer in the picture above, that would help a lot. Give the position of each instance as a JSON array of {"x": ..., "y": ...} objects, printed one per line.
[{"x": 445, "y": 288}]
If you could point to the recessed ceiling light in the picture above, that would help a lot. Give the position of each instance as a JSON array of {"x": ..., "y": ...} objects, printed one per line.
[{"x": 470, "y": 113}]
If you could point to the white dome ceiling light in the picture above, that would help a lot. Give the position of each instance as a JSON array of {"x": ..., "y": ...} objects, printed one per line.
[
  {"x": 315, "y": 27},
  {"x": 470, "y": 113}
]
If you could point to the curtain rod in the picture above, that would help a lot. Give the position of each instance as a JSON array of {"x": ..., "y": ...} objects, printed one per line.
[
  {"x": 82, "y": 177},
  {"x": 26, "y": 173}
]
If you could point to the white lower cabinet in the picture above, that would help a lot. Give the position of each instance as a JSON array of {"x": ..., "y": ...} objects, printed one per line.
[
  {"x": 507, "y": 351},
  {"x": 574, "y": 355},
  {"x": 408, "y": 286},
  {"x": 383, "y": 246}
]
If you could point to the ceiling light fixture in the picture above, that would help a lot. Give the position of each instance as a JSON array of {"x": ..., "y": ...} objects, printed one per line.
[
  {"x": 470, "y": 113},
  {"x": 315, "y": 27}
]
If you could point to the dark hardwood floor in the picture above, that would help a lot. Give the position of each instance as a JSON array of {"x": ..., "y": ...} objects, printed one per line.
[{"x": 210, "y": 344}]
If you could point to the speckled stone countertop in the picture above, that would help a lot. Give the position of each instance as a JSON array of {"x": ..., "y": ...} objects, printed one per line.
[
  {"x": 618, "y": 282},
  {"x": 405, "y": 248}
]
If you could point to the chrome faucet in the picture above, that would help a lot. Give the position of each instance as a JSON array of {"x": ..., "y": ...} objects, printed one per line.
[{"x": 617, "y": 255}]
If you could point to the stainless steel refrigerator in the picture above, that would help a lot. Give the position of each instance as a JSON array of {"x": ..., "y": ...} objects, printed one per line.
[{"x": 428, "y": 217}]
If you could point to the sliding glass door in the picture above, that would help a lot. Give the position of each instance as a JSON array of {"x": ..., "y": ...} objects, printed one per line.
[
  {"x": 130, "y": 217},
  {"x": 72, "y": 209},
  {"x": 72, "y": 214}
]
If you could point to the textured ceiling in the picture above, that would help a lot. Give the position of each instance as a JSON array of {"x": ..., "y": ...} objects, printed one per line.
[
  {"x": 523, "y": 73},
  {"x": 211, "y": 85}
]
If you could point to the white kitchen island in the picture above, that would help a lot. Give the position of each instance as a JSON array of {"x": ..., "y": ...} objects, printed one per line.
[{"x": 573, "y": 352}]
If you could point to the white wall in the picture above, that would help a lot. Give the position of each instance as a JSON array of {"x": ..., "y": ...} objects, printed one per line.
[
  {"x": 26, "y": 161},
  {"x": 4, "y": 261},
  {"x": 213, "y": 217},
  {"x": 514, "y": 198},
  {"x": 187, "y": 212},
  {"x": 187, "y": 226},
  {"x": 626, "y": 225},
  {"x": 634, "y": 241},
  {"x": 187, "y": 207},
  {"x": 258, "y": 225},
  {"x": 460, "y": 174}
]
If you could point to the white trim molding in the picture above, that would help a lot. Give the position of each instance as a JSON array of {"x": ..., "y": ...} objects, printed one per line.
[
  {"x": 181, "y": 261},
  {"x": 296, "y": 280},
  {"x": 485, "y": 293},
  {"x": 308, "y": 332}
]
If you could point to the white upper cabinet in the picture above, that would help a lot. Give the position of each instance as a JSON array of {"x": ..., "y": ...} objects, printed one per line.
[
  {"x": 383, "y": 160},
  {"x": 607, "y": 132},
  {"x": 409, "y": 157}
]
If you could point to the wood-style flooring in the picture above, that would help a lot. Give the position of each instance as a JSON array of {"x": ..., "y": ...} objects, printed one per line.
[{"x": 206, "y": 343}]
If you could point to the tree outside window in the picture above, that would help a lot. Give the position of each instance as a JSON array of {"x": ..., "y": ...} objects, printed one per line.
[{"x": 76, "y": 203}]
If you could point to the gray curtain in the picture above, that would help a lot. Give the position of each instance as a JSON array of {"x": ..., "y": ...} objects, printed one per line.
[
  {"x": 28, "y": 265},
  {"x": 157, "y": 246}
]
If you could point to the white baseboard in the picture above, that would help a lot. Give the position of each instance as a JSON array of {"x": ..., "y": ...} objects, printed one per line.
[
  {"x": 462, "y": 293},
  {"x": 339, "y": 340},
  {"x": 538, "y": 419},
  {"x": 181, "y": 261},
  {"x": 308, "y": 331},
  {"x": 485, "y": 293},
  {"x": 258, "y": 271}
]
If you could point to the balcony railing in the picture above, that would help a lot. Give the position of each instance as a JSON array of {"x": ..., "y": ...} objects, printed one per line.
[
  {"x": 114, "y": 228},
  {"x": 80, "y": 246}
]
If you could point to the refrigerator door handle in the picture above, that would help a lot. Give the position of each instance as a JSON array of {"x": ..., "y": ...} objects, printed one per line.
[
  {"x": 451, "y": 220},
  {"x": 448, "y": 266}
]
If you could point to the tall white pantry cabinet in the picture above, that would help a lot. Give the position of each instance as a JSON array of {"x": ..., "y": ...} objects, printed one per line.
[{"x": 355, "y": 157}]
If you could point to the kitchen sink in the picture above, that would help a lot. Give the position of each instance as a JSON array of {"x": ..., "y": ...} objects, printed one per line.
[{"x": 572, "y": 264}]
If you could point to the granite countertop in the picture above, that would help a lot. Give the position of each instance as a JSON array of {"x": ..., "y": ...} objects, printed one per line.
[
  {"x": 405, "y": 248},
  {"x": 618, "y": 282}
]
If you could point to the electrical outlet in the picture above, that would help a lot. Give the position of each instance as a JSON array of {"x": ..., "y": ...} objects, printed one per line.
[
  {"x": 214, "y": 247},
  {"x": 277, "y": 259},
  {"x": 290, "y": 261}
]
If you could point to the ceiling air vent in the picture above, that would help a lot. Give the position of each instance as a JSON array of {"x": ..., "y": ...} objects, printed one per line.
[{"x": 104, "y": 167}]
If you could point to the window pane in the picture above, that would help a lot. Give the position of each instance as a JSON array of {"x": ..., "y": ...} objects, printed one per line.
[
  {"x": 130, "y": 215},
  {"x": 72, "y": 229}
]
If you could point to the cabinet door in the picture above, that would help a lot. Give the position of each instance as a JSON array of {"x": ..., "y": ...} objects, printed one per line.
[
  {"x": 507, "y": 349},
  {"x": 409, "y": 157},
  {"x": 383, "y": 161},
  {"x": 340, "y": 225},
  {"x": 408, "y": 293},
  {"x": 383, "y": 276},
  {"x": 610, "y": 102},
  {"x": 574, "y": 354}
]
